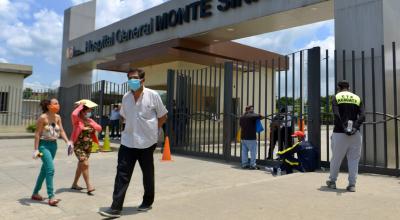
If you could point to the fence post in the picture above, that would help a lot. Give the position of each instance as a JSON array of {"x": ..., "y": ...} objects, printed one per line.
[
  {"x": 227, "y": 137},
  {"x": 101, "y": 97},
  {"x": 170, "y": 107},
  {"x": 314, "y": 94}
]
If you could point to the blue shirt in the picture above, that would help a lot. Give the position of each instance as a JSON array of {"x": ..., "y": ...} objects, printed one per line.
[{"x": 114, "y": 115}]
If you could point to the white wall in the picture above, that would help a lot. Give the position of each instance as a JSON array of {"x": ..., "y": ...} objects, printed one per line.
[{"x": 12, "y": 84}]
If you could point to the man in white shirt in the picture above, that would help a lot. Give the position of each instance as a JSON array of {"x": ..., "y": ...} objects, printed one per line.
[{"x": 144, "y": 113}]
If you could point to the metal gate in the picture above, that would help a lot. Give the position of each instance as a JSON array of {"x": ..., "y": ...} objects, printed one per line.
[
  {"x": 195, "y": 114},
  {"x": 205, "y": 104},
  {"x": 372, "y": 75}
]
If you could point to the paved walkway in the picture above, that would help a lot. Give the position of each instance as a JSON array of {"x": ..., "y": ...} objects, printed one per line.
[
  {"x": 16, "y": 135},
  {"x": 191, "y": 188}
]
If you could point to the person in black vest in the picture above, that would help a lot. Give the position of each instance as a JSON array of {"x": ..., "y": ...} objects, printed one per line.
[
  {"x": 275, "y": 128},
  {"x": 285, "y": 140},
  {"x": 348, "y": 110}
]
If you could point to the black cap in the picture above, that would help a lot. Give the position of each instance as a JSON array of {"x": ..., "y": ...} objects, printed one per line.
[
  {"x": 249, "y": 107},
  {"x": 343, "y": 84}
]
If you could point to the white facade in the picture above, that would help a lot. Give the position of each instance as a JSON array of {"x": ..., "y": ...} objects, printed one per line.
[{"x": 11, "y": 93}]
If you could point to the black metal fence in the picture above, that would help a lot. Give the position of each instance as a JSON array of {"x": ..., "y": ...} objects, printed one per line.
[
  {"x": 20, "y": 107},
  {"x": 105, "y": 94},
  {"x": 205, "y": 104},
  {"x": 195, "y": 111},
  {"x": 373, "y": 76}
]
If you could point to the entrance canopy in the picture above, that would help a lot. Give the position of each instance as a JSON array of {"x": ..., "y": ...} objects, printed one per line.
[
  {"x": 207, "y": 22},
  {"x": 186, "y": 50}
]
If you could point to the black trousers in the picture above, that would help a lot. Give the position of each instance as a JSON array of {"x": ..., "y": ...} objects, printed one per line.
[
  {"x": 286, "y": 137},
  {"x": 285, "y": 166},
  {"x": 114, "y": 128},
  {"x": 127, "y": 158},
  {"x": 273, "y": 140}
]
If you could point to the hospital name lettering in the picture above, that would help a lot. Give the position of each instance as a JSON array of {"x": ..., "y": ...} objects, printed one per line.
[{"x": 192, "y": 12}]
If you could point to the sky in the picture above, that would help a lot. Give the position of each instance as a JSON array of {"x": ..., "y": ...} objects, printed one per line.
[{"x": 32, "y": 35}]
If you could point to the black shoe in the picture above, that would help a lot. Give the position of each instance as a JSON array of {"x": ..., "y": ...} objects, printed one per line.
[
  {"x": 144, "y": 208},
  {"x": 111, "y": 213},
  {"x": 351, "y": 188},
  {"x": 254, "y": 168},
  {"x": 331, "y": 184},
  {"x": 245, "y": 167}
]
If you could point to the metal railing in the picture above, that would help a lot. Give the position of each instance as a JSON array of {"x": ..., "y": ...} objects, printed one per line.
[
  {"x": 373, "y": 76},
  {"x": 209, "y": 101},
  {"x": 20, "y": 107}
]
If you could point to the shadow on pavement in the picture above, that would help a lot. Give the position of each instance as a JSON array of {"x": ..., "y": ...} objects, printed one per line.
[
  {"x": 131, "y": 211},
  {"x": 339, "y": 192},
  {"x": 238, "y": 167},
  {"x": 63, "y": 190},
  {"x": 29, "y": 201},
  {"x": 126, "y": 211}
]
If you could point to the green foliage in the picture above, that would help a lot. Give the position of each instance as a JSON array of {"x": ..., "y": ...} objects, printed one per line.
[
  {"x": 31, "y": 128},
  {"x": 326, "y": 113},
  {"x": 28, "y": 92}
]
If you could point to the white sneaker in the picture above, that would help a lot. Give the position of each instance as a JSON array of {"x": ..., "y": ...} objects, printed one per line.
[{"x": 269, "y": 169}]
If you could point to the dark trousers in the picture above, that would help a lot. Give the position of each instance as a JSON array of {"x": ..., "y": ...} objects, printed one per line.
[
  {"x": 114, "y": 128},
  {"x": 286, "y": 137},
  {"x": 286, "y": 166},
  {"x": 274, "y": 138},
  {"x": 127, "y": 158}
]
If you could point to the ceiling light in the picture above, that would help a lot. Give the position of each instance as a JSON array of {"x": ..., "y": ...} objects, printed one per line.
[
  {"x": 216, "y": 40},
  {"x": 230, "y": 29}
]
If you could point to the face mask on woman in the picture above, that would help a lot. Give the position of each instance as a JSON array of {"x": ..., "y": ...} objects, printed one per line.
[
  {"x": 54, "y": 108},
  {"x": 134, "y": 84},
  {"x": 88, "y": 114}
]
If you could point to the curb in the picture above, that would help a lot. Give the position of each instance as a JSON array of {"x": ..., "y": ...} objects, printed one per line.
[
  {"x": 115, "y": 147},
  {"x": 17, "y": 137}
]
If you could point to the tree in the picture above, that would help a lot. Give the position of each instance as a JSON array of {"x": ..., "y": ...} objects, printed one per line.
[{"x": 27, "y": 93}]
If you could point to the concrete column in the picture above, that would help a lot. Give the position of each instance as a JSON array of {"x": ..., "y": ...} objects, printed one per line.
[
  {"x": 78, "y": 21},
  {"x": 361, "y": 25}
]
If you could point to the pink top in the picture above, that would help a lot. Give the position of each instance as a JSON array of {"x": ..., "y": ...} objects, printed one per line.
[{"x": 78, "y": 125}]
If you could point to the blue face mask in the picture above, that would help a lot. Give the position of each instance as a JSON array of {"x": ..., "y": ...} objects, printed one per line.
[
  {"x": 134, "y": 84},
  {"x": 88, "y": 114}
]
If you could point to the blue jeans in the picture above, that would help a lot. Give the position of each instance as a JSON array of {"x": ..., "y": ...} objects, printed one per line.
[{"x": 246, "y": 146}]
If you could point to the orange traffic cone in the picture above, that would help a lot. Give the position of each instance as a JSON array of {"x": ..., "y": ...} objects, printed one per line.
[
  {"x": 167, "y": 151},
  {"x": 301, "y": 124}
]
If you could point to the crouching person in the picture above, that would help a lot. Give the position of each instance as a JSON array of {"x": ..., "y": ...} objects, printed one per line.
[{"x": 306, "y": 161}]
